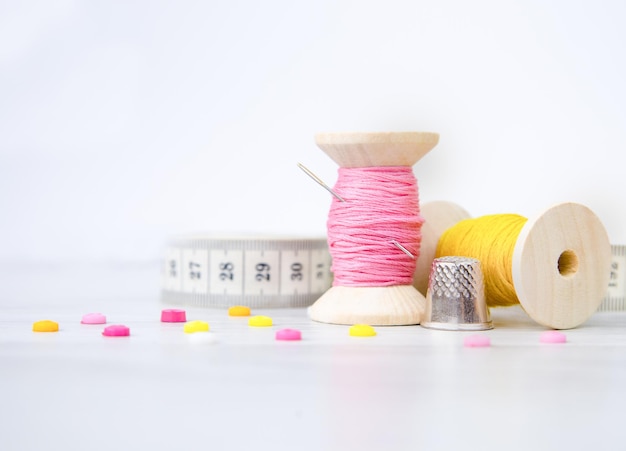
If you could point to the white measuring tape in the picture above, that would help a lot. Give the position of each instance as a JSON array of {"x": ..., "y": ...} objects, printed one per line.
[
  {"x": 615, "y": 299},
  {"x": 281, "y": 272},
  {"x": 257, "y": 272}
]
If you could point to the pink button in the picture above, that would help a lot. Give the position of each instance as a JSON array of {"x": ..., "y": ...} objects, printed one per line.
[
  {"x": 552, "y": 336},
  {"x": 94, "y": 318},
  {"x": 173, "y": 316},
  {"x": 288, "y": 335},
  {"x": 116, "y": 331},
  {"x": 476, "y": 341}
]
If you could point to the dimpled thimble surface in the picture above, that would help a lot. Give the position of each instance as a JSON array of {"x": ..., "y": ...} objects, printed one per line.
[{"x": 455, "y": 299}]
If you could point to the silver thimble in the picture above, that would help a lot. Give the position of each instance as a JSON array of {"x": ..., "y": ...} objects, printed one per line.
[{"x": 456, "y": 296}]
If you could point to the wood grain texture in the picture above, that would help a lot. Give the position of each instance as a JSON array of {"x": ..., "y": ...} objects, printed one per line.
[
  {"x": 378, "y": 306},
  {"x": 357, "y": 150},
  {"x": 561, "y": 266},
  {"x": 438, "y": 217}
]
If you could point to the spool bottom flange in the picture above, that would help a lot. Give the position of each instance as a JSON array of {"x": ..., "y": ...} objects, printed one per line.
[{"x": 397, "y": 305}]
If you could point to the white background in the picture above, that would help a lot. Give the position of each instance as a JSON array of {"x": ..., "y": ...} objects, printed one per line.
[{"x": 122, "y": 123}]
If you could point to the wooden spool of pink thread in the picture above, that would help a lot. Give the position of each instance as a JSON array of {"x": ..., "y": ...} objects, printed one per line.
[{"x": 377, "y": 305}]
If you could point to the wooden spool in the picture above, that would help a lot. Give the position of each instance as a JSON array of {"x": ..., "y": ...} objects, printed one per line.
[
  {"x": 438, "y": 217},
  {"x": 561, "y": 261},
  {"x": 382, "y": 306}
]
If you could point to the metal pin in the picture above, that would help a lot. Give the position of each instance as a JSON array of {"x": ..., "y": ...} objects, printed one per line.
[
  {"x": 403, "y": 249},
  {"x": 318, "y": 180}
]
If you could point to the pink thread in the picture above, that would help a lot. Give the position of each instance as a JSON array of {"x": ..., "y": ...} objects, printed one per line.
[{"x": 381, "y": 205}]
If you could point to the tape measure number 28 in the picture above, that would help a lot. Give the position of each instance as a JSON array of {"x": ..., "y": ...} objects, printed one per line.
[{"x": 257, "y": 272}]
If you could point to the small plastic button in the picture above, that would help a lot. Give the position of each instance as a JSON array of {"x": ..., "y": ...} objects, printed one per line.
[
  {"x": 196, "y": 326},
  {"x": 260, "y": 321},
  {"x": 173, "y": 315},
  {"x": 94, "y": 318},
  {"x": 476, "y": 341},
  {"x": 202, "y": 338},
  {"x": 116, "y": 330},
  {"x": 362, "y": 330},
  {"x": 239, "y": 310},
  {"x": 45, "y": 326},
  {"x": 288, "y": 335},
  {"x": 552, "y": 336}
]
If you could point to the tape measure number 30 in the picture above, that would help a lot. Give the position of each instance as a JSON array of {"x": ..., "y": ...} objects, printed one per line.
[{"x": 258, "y": 272}]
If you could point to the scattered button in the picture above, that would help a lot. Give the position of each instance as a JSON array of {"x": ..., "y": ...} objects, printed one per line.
[
  {"x": 476, "y": 341},
  {"x": 552, "y": 336},
  {"x": 260, "y": 321},
  {"x": 202, "y": 338},
  {"x": 362, "y": 330},
  {"x": 45, "y": 326},
  {"x": 94, "y": 318},
  {"x": 239, "y": 310},
  {"x": 288, "y": 335},
  {"x": 173, "y": 315},
  {"x": 196, "y": 326},
  {"x": 117, "y": 330}
]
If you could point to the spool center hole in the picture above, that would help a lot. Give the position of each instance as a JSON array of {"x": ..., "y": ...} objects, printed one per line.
[{"x": 568, "y": 263}]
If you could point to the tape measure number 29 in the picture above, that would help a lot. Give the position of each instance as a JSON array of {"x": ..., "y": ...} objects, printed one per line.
[{"x": 257, "y": 272}]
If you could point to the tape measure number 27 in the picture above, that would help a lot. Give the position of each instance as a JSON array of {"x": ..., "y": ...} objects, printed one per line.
[{"x": 257, "y": 272}]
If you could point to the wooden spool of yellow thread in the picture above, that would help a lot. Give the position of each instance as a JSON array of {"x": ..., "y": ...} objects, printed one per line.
[{"x": 556, "y": 265}]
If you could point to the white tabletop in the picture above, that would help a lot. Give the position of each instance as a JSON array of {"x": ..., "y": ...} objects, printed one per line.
[{"x": 406, "y": 388}]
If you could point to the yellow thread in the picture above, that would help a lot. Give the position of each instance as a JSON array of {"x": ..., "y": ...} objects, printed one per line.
[{"x": 490, "y": 239}]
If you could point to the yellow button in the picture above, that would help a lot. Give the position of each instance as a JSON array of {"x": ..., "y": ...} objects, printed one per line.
[
  {"x": 362, "y": 330},
  {"x": 195, "y": 326},
  {"x": 45, "y": 326},
  {"x": 239, "y": 310},
  {"x": 260, "y": 321}
]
